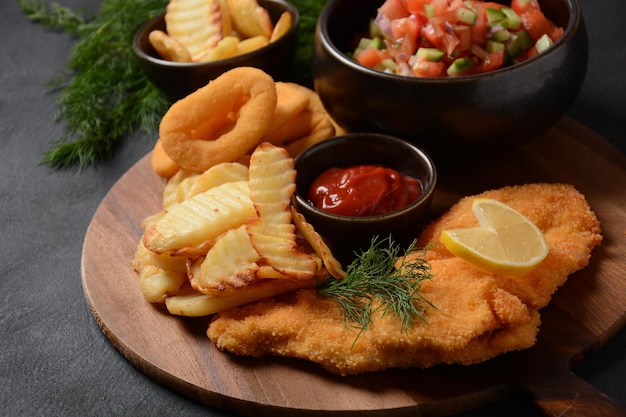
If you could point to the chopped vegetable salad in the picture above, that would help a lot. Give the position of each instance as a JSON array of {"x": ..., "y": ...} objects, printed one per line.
[{"x": 440, "y": 38}]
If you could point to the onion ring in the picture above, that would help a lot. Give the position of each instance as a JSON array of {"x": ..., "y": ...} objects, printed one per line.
[
  {"x": 161, "y": 163},
  {"x": 248, "y": 91}
]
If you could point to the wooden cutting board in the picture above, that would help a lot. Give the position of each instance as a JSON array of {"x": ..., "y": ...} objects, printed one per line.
[{"x": 587, "y": 311}]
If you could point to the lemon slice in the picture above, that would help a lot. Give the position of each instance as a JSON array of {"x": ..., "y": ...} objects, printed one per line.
[{"x": 506, "y": 241}]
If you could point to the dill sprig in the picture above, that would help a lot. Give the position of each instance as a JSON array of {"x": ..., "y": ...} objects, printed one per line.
[
  {"x": 376, "y": 282},
  {"x": 104, "y": 96}
]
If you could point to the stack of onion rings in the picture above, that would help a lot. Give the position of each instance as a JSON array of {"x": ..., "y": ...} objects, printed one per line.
[{"x": 225, "y": 121}]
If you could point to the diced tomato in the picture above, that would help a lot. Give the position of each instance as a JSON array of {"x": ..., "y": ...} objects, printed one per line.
[
  {"x": 405, "y": 32},
  {"x": 556, "y": 34},
  {"x": 537, "y": 24},
  {"x": 479, "y": 30},
  {"x": 451, "y": 17},
  {"x": 411, "y": 24},
  {"x": 450, "y": 42},
  {"x": 520, "y": 6},
  {"x": 394, "y": 9},
  {"x": 464, "y": 34},
  {"x": 434, "y": 35},
  {"x": 416, "y": 6},
  {"x": 493, "y": 5},
  {"x": 455, "y": 4},
  {"x": 491, "y": 62},
  {"x": 532, "y": 52},
  {"x": 369, "y": 57},
  {"x": 429, "y": 69},
  {"x": 439, "y": 6},
  {"x": 522, "y": 56}
]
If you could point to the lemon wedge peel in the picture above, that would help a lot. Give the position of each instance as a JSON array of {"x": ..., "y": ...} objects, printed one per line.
[{"x": 506, "y": 241}]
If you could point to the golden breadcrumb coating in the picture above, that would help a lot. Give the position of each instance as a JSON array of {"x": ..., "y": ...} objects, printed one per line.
[{"x": 478, "y": 314}]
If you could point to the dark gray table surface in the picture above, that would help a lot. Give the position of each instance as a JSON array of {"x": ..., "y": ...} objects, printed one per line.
[{"x": 54, "y": 359}]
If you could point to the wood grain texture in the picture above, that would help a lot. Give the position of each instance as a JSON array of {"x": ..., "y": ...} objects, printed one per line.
[{"x": 587, "y": 311}]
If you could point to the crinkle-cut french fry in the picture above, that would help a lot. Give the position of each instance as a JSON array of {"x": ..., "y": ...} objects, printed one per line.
[
  {"x": 169, "y": 261},
  {"x": 192, "y": 303},
  {"x": 272, "y": 183},
  {"x": 196, "y": 24},
  {"x": 170, "y": 192},
  {"x": 168, "y": 47},
  {"x": 277, "y": 247},
  {"x": 155, "y": 283},
  {"x": 230, "y": 263},
  {"x": 282, "y": 26},
  {"x": 217, "y": 175},
  {"x": 333, "y": 266},
  {"x": 153, "y": 218},
  {"x": 225, "y": 48},
  {"x": 227, "y": 24},
  {"x": 250, "y": 19},
  {"x": 201, "y": 218},
  {"x": 252, "y": 44},
  {"x": 184, "y": 187}
]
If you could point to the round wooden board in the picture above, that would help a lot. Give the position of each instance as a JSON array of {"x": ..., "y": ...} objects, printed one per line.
[{"x": 176, "y": 352}]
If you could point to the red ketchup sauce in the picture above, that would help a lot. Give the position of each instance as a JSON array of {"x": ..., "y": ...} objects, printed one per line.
[{"x": 363, "y": 190}]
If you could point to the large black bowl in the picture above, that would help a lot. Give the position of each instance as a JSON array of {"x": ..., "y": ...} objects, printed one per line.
[
  {"x": 448, "y": 117},
  {"x": 178, "y": 79}
]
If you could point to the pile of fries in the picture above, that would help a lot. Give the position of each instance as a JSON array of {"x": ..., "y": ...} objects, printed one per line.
[
  {"x": 230, "y": 236},
  {"x": 209, "y": 30},
  {"x": 227, "y": 234}
]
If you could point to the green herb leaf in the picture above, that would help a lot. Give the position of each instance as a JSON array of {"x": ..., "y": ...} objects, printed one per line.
[
  {"x": 375, "y": 282},
  {"x": 105, "y": 95}
]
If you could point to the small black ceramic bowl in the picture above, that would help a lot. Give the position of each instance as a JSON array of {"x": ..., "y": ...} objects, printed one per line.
[
  {"x": 346, "y": 235},
  {"x": 179, "y": 79},
  {"x": 450, "y": 116}
]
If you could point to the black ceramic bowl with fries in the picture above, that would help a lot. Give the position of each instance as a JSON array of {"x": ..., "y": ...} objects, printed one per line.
[
  {"x": 452, "y": 115},
  {"x": 178, "y": 79},
  {"x": 348, "y": 236}
]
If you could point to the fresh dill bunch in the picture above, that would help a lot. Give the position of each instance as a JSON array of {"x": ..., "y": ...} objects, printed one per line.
[
  {"x": 104, "y": 96},
  {"x": 375, "y": 282}
]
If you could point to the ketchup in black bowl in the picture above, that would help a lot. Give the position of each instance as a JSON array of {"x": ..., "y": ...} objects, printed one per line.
[
  {"x": 359, "y": 186},
  {"x": 363, "y": 190}
]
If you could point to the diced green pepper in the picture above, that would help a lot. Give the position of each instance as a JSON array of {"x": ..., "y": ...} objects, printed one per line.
[
  {"x": 501, "y": 35},
  {"x": 459, "y": 66},
  {"x": 466, "y": 16},
  {"x": 374, "y": 30},
  {"x": 378, "y": 43},
  {"x": 430, "y": 54},
  {"x": 524, "y": 39},
  {"x": 522, "y": 42},
  {"x": 493, "y": 46},
  {"x": 388, "y": 64},
  {"x": 513, "y": 21},
  {"x": 494, "y": 16},
  {"x": 363, "y": 43}
]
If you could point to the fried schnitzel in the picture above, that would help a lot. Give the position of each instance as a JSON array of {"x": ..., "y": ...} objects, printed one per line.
[{"x": 477, "y": 316}]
